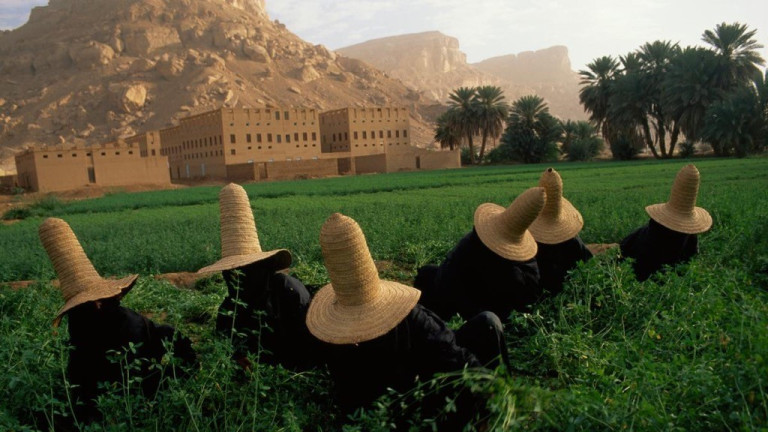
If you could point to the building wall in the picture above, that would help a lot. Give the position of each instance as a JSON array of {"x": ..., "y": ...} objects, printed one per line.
[
  {"x": 365, "y": 131},
  {"x": 270, "y": 134},
  {"x": 401, "y": 161},
  {"x": 116, "y": 172},
  {"x": 53, "y": 168},
  {"x": 287, "y": 170},
  {"x": 195, "y": 148},
  {"x": 370, "y": 164},
  {"x": 433, "y": 160}
]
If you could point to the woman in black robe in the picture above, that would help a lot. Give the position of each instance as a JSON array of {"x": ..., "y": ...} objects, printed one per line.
[
  {"x": 492, "y": 268},
  {"x": 670, "y": 237},
  {"x": 556, "y": 231}
]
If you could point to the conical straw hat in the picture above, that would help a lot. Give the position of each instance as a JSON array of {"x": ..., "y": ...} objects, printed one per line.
[
  {"x": 78, "y": 280},
  {"x": 680, "y": 212},
  {"x": 356, "y": 306},
  {"x": 559, "y": 220},
  {"x": 239, "y": 239},
  {"x": 505, "y": 231}
]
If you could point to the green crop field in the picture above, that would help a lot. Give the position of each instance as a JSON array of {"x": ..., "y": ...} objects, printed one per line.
[{"x": 687, "y": 350}]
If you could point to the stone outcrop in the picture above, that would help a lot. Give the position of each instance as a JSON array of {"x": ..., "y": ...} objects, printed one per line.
[{"x": 433, "y": 65}]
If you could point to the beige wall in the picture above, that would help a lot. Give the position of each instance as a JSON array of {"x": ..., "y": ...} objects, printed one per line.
[
  {"x": 365, "y": 131},
  {"x": 371, "y": 164},
  {"x": 433, "y": 160},
  {"x": 116, "y": 172},
  {"x": 286, "y": 170}
]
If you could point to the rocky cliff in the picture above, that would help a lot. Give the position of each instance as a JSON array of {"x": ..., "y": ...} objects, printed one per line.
[
  {"x": 433, "y": 64},
  {"x": 93, "y": 70}
]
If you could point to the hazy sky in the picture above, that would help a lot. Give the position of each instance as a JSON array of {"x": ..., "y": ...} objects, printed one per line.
[{"x": 488, "y": 28}]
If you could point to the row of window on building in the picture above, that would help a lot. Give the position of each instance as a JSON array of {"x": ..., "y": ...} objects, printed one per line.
[
  {"x": 278, "y": 137},
  {"x": 88, "y": 154},
  {"x": 365, "y": 135}
]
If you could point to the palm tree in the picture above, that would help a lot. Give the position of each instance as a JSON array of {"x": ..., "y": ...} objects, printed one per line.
[
  {"x": 463, "y": 102},
  {"x": 737, "y": 48},
  {"x": 491, "y": 112},
  {"x": 446, "y": 132},
  {"x": 690, "y": 87},
  {"x": 532, "y": 132},
  {"x": 596, "y": 90}
]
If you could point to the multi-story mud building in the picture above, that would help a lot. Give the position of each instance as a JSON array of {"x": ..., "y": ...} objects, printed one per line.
[{"x": 242, "y": 144}]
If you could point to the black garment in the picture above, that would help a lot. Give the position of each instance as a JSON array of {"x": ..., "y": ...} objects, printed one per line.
[
  {"x": 473, "y": 279},
  {"x": 100, "y": 337},
  {"x": 420, "y": 346},
  {"x": 269, "y": 311},
  {"x": 654, "y": 246},
  {"x": 555, "y": 260}
]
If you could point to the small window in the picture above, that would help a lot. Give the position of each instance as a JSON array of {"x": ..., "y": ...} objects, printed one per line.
[
  {"x": 405, "y": 133},
  {"x": 232, "y": 138},
  {"x": 153, "y": 152},
  {"x": 45, "y": 156},
  {"x": 354, "y": 135},
  {"x": 103, "y": 153},
  {"x": 59, "y": 155},
  {"x": 285, "y": 115},
  {"x": 314, "y": 136},
  {"x": 365, "y": 135},
  {"x": 130, "y": 151},
  {"x": 277, "y": 115},
  {"x": 249, "y": 147},
  {"x": 288, "y": 138},
  {"x": 117, "y": 153},
  {"x": 296, "y": 136},
  {"x": 74, "y": 154},
  {"x": 304, "y": 136},
  {"x": 279, "y": 138},
  {"x": 89, "y": 153},
  {"x": 247, "y": 138},
  {"x": 397, "y": 134},
  {"x": 389, "y": 134},
  {"x": 381, "y": 134},
  {"x": 232, "y": 152},
  {"x": 269, "y": 138}
]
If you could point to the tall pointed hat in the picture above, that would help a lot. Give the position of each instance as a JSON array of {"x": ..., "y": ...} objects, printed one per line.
[
  {"x": 680, "y": 213},
  {"x": 356, "y": 306},
  {"x": 78, "y": 280},
  {"x": 559, "y": 220},
  {"x": 239, "y": 239},
  {"x": 505, "y": 230}
]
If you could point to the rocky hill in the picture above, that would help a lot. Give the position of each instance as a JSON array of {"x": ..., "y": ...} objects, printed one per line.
[
  {"x": 90, "y": 71},
  {"x": 432, "y": 63}
]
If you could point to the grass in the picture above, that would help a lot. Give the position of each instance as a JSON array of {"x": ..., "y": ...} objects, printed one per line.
[{"x": 682, "y": 351}]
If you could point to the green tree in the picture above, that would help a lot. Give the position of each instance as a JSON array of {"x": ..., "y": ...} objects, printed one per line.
[
  {"x": 579, "y": 141},
  {"x": 636, "y": 101},
  {"x": 738, "y": 124},
  {"x": 737, "y": 48},
  {"x": 446, "y": 132},
  {"x": 596, "y": 90},
  {"x": 690, "y": 87},
  {"x": 531, "y": 134},
  {"x": 491, "y": 113},
  {"x": 463, "y": 104}
]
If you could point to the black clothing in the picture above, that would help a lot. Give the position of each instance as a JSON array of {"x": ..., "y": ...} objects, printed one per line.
[
  {"x": 420, "y": 346},
  {"x": 100, "y": 338},
  {"x": 654, "y": 246},
  {"x": 269, "y": 311},
  {"x": 474, "y": 279},
  {"x": 555, "y": 260}
]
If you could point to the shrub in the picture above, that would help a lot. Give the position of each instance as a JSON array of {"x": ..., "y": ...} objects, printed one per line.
[
  {"x": 687, "y": 149},
  {"x": 584, "y": 149}
]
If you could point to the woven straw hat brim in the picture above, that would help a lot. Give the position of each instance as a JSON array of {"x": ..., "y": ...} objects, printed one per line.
[
  {"x": 491, "y": 235},
  {"x": 108, "y": 288},
  {"x": 334, "y": 323},
  {"x": 282, "y": 261},
  {"x": 698, "y": 221},
  {"x": 557, "y": 230}
]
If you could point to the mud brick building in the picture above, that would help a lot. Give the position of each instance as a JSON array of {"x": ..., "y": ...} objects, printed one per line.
[
  {"x": 61, "y": 167},
  {"x": 240, "y": 144}
]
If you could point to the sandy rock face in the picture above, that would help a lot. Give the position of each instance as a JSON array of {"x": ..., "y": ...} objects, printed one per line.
[
  {"x": 145, "y": 41},
  {"x": 91, "y": 54},
  {"x": 133, "y": 97},
  {"x": 170, "y": 67}
]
